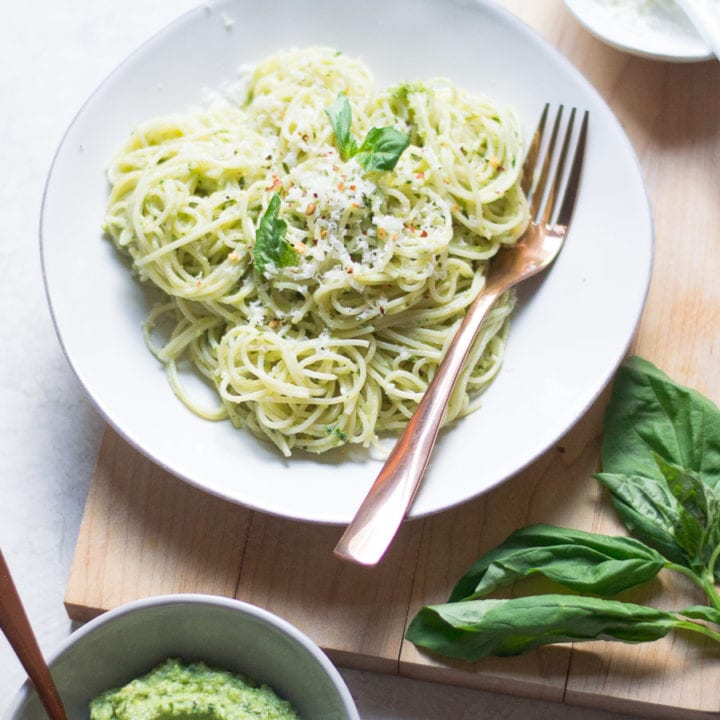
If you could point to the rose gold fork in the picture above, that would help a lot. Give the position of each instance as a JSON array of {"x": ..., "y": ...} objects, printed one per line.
[{"x": 552, "y": 201}]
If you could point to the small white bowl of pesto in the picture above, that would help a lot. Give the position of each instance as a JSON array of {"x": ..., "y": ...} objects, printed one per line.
[{"x": 191, "y": 657}]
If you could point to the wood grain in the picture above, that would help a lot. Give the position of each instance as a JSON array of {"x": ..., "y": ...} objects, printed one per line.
[
  {"x": 356, "y": 614},
  {"x": 145, "y": 532}
]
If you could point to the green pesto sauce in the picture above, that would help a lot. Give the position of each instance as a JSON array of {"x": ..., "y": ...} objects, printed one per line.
[{"x": 177, "y": 691}]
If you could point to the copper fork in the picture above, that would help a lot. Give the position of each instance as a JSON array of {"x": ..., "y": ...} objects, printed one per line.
[{"x": 551, "y": 197}]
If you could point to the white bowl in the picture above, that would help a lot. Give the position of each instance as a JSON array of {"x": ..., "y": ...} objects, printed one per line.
[
  {"x": 128, "y": 641},
  {"x": 571, "y": 328},
  {"x": 659, "y": 31}
]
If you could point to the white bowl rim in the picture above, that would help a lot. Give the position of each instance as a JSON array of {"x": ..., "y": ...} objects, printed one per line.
[{"x": 196, "y": 599}]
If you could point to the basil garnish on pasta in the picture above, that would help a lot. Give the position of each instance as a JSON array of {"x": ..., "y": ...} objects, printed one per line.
[
  {"x": 340, "y": 116},
  {"x": 270, "y": 245},
  {"x": 380, "y": 150}
]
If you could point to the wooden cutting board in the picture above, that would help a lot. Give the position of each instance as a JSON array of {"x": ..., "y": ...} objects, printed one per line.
[{"x": 144, "y": 532}]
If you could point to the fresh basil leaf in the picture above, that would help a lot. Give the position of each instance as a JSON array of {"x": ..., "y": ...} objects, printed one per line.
[
  {"x": 698, "y": 522},
  {"x": 649, "y": 511},
  {"x": 579, "y": 560},
  {"x": 698, "y": 499},
  {"x": 382, "y": 148},
  {"x": 702, "y": 612},
  {"x": 651, "y": 415},
  {"x": 270, "y": 244},
  {"x": 677, "y": 514},
  {"x": 340, "y": 115},
  {"x": 479, "y": 628}
]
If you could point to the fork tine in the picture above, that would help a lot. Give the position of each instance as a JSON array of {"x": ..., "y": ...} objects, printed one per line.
[
  {"x": 559, "y": 168},
  {"x": 539, "y": 189},
  {"x": 573, "y": 183},
  {"x": 528, "y": 172}
]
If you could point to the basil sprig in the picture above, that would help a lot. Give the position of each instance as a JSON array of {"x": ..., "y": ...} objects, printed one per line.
[
  {"x": 270, "y": 246},
  {"x": 669, "y": 497},
  {"x": 380, "y": 150},
  {"x": 661, "y": 465}
]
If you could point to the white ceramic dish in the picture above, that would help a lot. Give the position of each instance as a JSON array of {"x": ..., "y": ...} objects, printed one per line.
[
  {"x": 656, "y": 29},
  {"x": 569, "y": 333},
  {"x": 128, "y": 641}
]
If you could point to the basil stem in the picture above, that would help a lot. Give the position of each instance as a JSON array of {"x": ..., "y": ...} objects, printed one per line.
[{"x": 706, "y": 582}]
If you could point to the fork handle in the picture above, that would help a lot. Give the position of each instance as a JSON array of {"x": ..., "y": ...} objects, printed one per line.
[{"x": 376, "y": 522}]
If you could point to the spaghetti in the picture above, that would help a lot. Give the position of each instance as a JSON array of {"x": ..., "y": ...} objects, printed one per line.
[{"x": 338, "y": 344}]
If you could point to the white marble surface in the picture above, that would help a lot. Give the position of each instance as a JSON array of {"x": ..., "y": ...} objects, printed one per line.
[{"x": 53, "y": 53}]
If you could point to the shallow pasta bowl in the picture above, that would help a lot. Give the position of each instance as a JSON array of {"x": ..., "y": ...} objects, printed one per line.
[{"x": 568, "y": 334}]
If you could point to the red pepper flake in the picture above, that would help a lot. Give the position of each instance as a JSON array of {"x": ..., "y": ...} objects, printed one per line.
[
  {"x": 352, "y": 187},
  {"x": 276, "y": 183},
  {"x": 423, "y": 233},
  {"x": 420, "y": 175},
  {"x": 341, "y": 185},
  {"x": 349, "y": 271}
]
